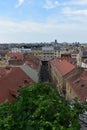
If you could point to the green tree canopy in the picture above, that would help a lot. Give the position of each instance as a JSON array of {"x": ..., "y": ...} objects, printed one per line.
[{"x": 38, "y": 107}]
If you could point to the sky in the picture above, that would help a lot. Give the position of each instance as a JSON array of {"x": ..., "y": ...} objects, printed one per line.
[{"x": 43, "y": 21}]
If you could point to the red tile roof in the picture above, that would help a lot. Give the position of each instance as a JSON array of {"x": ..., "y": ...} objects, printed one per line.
[
  {"x": 11, "y": 82},
  {"x": 32, "y": 61},
  {"x": 17, "y": 55},
  {"x": 69, "y": 59},
  {"x": 78, "y": 82},
  {"x": 16, "y": 62},
  {"x": 26, "y": 59},
  {"x": 64, "y": 67}
]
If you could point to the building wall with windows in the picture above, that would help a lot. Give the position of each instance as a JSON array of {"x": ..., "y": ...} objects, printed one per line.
[
  {"x": 70, "y": 94},
  {"x": 59, "y": 71},
  {"x": 76, "y": 85},
  {"x": 56, "y": 78}
]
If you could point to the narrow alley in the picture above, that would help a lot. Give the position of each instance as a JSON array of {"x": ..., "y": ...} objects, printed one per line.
[{"x": 44, "y": 73}]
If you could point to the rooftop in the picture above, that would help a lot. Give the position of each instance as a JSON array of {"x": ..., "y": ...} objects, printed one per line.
[
  {"x": 32, "y": 61},
  {"x": 64, "y": 67},
  {"x": 15, "y": 55},
  {"x": 68, "y": 58},
  {"x": 11, "y": 81},
  {"x": 78, "y": 82}
]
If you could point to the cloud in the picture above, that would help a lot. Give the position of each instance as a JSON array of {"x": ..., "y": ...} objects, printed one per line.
[
  {"x": 26, "y": 31},
  {"x": 50, "y": 5},
  {"x": 69, "y": 11},
  {"x": 76, "y": 2},
  {"x": 27, "y": 26},
  {"x": 79, "y": 2},
  {"x": 20, "y": 2}
]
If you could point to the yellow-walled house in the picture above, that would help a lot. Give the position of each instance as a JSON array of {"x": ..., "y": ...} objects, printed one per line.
[
  {"x": 59, "y": 70},
  {"x": 76, "y": 85}
]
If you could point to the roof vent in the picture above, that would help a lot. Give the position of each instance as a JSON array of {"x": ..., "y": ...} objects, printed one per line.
[
  {"x": 82, "y": 85},
  {"x": 8, "y": 67},
  {"x": 77, "y": 81},
  {"x": 26, "y": 81}
]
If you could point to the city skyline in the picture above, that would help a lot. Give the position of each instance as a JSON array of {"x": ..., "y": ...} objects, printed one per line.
[{"x": 43, "y": 20}]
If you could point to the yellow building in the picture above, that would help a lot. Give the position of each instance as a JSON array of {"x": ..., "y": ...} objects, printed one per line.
[
  {"x": 59, "y": 71},
  {"x": 3, "y": 63},
  {"x": 76, "y": 85},
  {"x": 37, "y": 53},
  {"x": 70, "y": 94}
]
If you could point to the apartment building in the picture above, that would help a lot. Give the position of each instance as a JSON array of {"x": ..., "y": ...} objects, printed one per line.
[
  {"x": 11, "y": 79},
  {"x": 82, "y": 58},
  {"x": 76, "y": 85},
  {"x": 59, "y": 71}
]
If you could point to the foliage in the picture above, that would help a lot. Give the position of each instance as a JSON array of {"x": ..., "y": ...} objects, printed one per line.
[{"x": 38, "y": 107}]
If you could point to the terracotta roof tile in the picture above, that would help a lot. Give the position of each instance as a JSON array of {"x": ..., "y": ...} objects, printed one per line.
[
  {"x": 78, "y": 82},
  {"x": 17, "y": 55},
  {"x": 11, "y": 82},
  {"x": 64, "y": 67},
  {"x": 32, "y": 61},
  {"x": 69, "y": 59}
]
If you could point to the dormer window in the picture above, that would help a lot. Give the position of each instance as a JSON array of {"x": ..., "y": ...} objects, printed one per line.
[{"x": 82, "y": 85}]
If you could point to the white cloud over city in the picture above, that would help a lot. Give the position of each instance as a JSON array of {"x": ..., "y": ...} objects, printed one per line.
[
  {"x": 49, "y": 4},
  {"x": 44, "y": 20},
  {"x": 19, "y": 3}
]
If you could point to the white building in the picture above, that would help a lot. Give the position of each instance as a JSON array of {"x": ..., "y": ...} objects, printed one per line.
[
  {"x": 24, "y": 50},
  {"x": 82, "y": 58},
  {"x": 47, "y": 53},
  {"x": 14, "y": 50}
]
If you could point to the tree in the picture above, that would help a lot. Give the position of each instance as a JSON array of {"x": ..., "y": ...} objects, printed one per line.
[{"x": 38, "y": 107}]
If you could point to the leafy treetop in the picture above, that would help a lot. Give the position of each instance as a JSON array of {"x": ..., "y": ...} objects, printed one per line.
[{"x": 39, "y": 107}]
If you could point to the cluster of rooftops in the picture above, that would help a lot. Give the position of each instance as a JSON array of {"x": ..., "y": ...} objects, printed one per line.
[
  {"x": 75, "y": 76},
  {"x": 26, "y": 72}
]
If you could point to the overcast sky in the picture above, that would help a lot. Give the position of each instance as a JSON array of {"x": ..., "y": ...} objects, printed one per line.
[{"x": 43, "y": 20}]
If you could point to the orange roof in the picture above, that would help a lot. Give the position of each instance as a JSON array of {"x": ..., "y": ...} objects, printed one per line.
[
  {"x": 32, "y": 61},
  {"x": 69, "y": 59},
  {"x": 11, "y": 82},
  {"x": 64, "y": 67},
  {"x": 78, "y": 82},
  {"x": 18, "y": 55}
]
